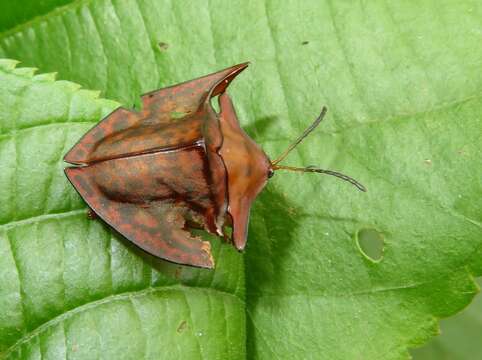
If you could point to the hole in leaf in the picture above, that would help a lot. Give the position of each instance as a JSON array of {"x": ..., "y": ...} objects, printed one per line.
[{"x": 370, "y": 243}]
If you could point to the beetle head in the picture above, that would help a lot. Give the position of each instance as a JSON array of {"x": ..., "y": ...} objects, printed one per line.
[{"x": 248, "y": 168}]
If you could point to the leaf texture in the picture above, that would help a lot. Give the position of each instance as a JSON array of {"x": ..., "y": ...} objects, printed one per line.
[{"x": 403, "y": 86}]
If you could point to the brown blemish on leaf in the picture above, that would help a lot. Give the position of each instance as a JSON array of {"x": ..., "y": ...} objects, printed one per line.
[
  {"x": 163, "y": 46},
  {"x": 182, "y": 326},
  {"x": 291, "y": 211}
]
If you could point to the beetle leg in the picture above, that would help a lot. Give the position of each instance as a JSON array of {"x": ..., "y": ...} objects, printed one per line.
[{"x": 91, "y": 215}]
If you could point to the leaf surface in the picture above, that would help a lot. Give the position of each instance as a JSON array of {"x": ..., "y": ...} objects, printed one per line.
[
  {"x": 403, "y": 86},
  {"x": 18, "y": 12}
]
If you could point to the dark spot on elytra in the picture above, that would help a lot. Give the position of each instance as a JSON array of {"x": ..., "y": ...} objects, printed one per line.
[
  {"x": 204, "y": 197},
  {"x": 98, "y": 134},
  {"x": 84, "y": 185},
  {"x": 151, "y": 230},
  {"x": 167, "y": 134},
  {"x": 104, "y": 177},
  {"x": 305, "y": 42},
  {"x": 120, "y": 124},
  {"x": 247, "y": 171},
  {"x": 127, "y": 213},
  {"x": 80, "y": 152},
  {"x": 106, "y": 204}
]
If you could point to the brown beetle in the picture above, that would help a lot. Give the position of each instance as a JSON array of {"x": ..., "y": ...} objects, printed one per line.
[{"x": 154, "y": 174}]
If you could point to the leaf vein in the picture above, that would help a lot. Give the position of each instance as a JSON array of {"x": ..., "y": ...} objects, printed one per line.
[
  {"x": 117, "y": 297},
  {"x": 39, "y": 218}
]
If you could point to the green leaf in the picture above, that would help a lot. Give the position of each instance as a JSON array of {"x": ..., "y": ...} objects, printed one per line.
[
  {"x": 69, "y": 287},
  {"x": 18, "y": 12},
  {"x": 402, "y": 82},
  {"x": 460, "y": 336}
]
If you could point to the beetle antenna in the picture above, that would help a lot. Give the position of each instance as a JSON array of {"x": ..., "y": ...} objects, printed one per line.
[
  {"x": 322, "y": 171},
  {"x": 308, "y": 130}
]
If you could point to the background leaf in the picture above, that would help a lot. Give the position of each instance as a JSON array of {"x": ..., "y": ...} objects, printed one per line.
[
  {"x": 18, "y": 12},
  {"x": 402, "y": 83},
  {"x": 460, "y": 336}
]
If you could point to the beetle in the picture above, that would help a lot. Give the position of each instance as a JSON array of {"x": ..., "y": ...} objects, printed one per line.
[{"x": 154, "y": 175}]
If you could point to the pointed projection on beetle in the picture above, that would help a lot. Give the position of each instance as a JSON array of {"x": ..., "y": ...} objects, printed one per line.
[{"x": 176, "y": 165}]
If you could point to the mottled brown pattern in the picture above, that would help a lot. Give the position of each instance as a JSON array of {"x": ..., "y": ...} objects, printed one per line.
[
  {"x": 247, "y": 168},
  {"x": 152, "y": 174}
]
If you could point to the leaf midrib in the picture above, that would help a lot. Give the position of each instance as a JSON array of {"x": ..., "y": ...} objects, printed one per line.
[
  {"x": 369, "y": 292},
  {"x": 12, "y": 132}
]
